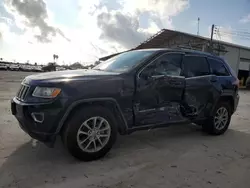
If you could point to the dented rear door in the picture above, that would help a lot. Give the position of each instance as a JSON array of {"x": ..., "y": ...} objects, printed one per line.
[{"x": 198, "y": 94}]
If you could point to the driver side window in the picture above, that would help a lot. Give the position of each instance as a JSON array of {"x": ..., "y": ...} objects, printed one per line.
[{"x": 168, "y": 65}]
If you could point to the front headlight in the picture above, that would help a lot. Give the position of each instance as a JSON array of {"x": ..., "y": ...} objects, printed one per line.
[{"x": 46, "y": 92}]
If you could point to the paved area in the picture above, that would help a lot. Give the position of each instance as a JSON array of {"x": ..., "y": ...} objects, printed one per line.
[{"x": 177, "y": 156}]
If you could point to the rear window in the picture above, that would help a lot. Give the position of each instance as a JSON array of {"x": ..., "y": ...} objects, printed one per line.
[
  {"x": 218, "y": 68},
  {"x": 230, "y": 69},
  {"x": 195, "y": 66}
]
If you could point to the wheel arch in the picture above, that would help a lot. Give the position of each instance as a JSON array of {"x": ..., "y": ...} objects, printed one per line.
[
  {"x": 109, "y": 103},
  {"x": 226, "y": 98}
]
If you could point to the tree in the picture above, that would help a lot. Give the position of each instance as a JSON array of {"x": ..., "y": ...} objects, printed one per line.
[
  {"x": 55, "y": 57},
  {"x": 49, "y": 67}
]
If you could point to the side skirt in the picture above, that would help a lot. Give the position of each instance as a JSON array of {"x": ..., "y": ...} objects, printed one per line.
[{"x": 156, "y": 126}]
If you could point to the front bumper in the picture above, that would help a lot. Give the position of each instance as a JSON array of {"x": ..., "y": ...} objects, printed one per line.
[{"x": 44, "y": 131}]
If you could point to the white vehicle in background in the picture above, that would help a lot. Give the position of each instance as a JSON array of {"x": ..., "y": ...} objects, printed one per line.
[
  {"x": 29, "y": 68},
  {"x": 60, "y": 68},
  {"x": 38, "y": 68},
  {"x": 3, "y": 67},
  {"x": 14, "y": 67}
]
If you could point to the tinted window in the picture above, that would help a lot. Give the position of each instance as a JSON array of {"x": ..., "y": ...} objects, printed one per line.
[
  {"x": 169, "y": 64},
  {"x": 218, "y": 68},
  {"x": 124, "y": 61},
  {"x": 195, "y": 66}
]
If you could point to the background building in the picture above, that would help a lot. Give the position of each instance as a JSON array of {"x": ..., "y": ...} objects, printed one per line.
[{"x": 237, "y": 56}]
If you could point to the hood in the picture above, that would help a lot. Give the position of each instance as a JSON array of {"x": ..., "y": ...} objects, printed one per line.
[{"x": 69, "y": 74}]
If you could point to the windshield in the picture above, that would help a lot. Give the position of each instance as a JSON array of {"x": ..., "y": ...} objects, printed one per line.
[{"x": 124, "y": 62}]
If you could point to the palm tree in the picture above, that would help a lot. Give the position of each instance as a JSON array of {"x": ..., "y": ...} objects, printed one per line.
[{"x": 55, "y": 57}]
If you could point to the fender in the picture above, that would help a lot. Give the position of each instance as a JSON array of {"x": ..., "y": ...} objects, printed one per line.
[
  {"x": 79, "y": 102},
  {"x": 223, "y": 94}
]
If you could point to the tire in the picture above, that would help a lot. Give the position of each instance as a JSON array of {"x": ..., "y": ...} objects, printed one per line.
[
  {"x": 72, "y": 138},
  {"x": 210, "y": 126}
]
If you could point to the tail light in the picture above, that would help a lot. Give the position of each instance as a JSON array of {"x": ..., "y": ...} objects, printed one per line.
[{"x": 237, "y": 81}]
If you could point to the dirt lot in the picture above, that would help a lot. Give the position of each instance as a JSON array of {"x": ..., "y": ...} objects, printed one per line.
[{"x": 178, "y": 156}]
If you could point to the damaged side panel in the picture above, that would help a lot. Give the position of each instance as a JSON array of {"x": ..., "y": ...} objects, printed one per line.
[
  {"x": 198, "y": 94},
  {"x": 163, "y": 96},
  {"x": 173, "y": 99},
  {"x": 157, "y": 100}
]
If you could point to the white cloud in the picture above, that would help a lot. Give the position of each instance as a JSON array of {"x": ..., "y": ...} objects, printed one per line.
[
  {"x": 101, "y": 29},
  {"x": 122, "y": 27},
  {"x": 6, "y": 20},
  {"x": 245, "y": 19},
  {"x": 163, "y": 8},
  {"x": 34, "y": 14}
]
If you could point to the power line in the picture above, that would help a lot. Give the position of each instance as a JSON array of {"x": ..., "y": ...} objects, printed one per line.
[
  {"x": 231, "y": 31},
  {"x": 240, "y": 37},
  {"x": 233, "y": 34},
  {"x": 239, "y": 33}
]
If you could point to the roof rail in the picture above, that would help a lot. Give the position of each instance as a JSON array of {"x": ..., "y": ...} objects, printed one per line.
[{"x": 192, "y": 50}]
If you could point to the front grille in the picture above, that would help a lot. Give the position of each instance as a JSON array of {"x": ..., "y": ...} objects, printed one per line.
[{"x": 22, "y": 93}]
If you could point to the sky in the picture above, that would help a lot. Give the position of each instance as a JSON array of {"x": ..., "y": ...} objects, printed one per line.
[{"x": 83, "y": 31}]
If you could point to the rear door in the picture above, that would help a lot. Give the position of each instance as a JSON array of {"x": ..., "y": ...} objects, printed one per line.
[
  {"x": 159, "y": 90},
  {"x": 224, "y": 80},
  {"x": 197, "y": 99},
  {"x": 225, "y": 84}
]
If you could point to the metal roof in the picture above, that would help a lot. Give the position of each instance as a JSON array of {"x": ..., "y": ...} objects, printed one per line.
[
  {"x": 157, "y": 41},
  {"x": 165, "y": 34}
]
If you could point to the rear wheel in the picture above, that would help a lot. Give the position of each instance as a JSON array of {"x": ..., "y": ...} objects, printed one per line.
[
  {"x": 90, "y": 133},
  {"x": 218, "y": 123}
]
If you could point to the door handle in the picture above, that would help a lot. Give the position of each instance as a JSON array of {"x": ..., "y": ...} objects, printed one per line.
[
  {"x": 157, "y": 76},
  {"x": 213, "y": 80},
  {"x": 172, "y": 82}
]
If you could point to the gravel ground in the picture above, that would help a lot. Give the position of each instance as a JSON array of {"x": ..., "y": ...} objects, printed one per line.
[{"x": 177, "y": 156}]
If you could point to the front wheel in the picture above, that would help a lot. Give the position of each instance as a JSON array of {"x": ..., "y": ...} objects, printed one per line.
[
  {"x": 218, "y": 123},
  {"x": 90, "y": 133}
]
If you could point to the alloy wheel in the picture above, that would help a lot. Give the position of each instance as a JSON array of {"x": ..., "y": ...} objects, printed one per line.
[
  {"x": 93, "y": 134},
  {"x": 221, "y": 118}
]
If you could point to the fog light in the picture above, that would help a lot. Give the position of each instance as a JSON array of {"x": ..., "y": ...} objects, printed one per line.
[{"x": 37, "y": 116}]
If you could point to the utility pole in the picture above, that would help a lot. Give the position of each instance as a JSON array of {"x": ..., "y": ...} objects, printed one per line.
[
  {"x": 198, "y": 29},
  {"x": 212, "y": 32},
  {"x": 210, "y": 44}
]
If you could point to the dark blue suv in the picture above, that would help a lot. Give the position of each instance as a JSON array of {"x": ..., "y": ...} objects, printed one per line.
[{"x": 136, "y": 90}]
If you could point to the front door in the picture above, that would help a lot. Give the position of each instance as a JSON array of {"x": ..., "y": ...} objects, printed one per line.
[{"x": 159, "y": 91}]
